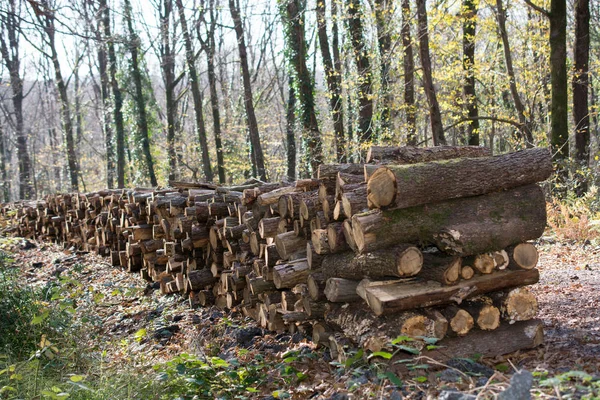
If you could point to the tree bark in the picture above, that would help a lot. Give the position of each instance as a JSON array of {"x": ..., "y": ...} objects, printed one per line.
[
  {"x": 581, "y": 59},
  {"x": 408, "y": 64},
  {"x": 559, "y": 129},
  {"x": 466, "y": 226},
  {"x": 293, "y": 15},
  {"x": 190, "y": 57},
  {"x": 139, "y": 98},
  {"x": 384, "y": 11},
  {"x": 414, "y": 155},
  {"x": 363, "y": 66},
  {"x": 435, "y": 115},
  {"x": 258, "y": 159},
  {"x": 290, "y": 137},
  {"x": 402, "y": 186},
  {"x": 469, "y": 9},
  {"x": 333, "y": 84}
]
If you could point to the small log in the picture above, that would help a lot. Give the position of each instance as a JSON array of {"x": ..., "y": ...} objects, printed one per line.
[
  {"x": 314, "y": 309},
  {"x": 316, "y": 286},
  {"x": 413, "y": 155},
  {"x": 441, "y": 268},
  {"x": 522, "y": 256},
  {"x": 340, "y": 290},
  {"x": 335, "y": 237},
  {"x": 320, "y": 241},
  {"x": 272, "y": 197},
  {"x": 484, "y": 313},
  {"x": 314, "y": 259},
  {"x": 401, "y": 261},
  {"x": 260, "y": 285},
  {"x": 354, "y": 201},
  {"x": 387, "y": 299},
  {"x": 267, "y": 227},
  {"x": 516, "y": 305},
  {"x": 330, "y": 171},
  {"x": 460, "y": 321},
  {"x": 349, "y": 236},
  {"x": 288, "y": 243},
  {"x": 467, "y": 272},
  {"x": 483, "y": 263},
  {"x": 289, "y": 275}
]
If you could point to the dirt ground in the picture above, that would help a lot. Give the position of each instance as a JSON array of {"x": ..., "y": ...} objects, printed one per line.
[{"x": 122, "y": 304}]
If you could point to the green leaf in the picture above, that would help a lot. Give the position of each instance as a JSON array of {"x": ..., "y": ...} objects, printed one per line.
[
  {"x": 421, "y": 379},
  {"x": 290, "y": 359},
  {"x": 219, "y": 362},
  {"x": 382, "y": 354},
  {"x": 393, "y": 378},
  {"x": 251, "y": 390},
  {"x": 401, "y": 339},
  {"x": 77, "y": 378},
  {"x": 501, "y": 367},
  {"x": 409, "y": 349}
]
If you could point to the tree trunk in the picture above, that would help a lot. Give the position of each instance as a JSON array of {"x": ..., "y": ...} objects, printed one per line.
[
  {"x": 408, "y": 63},
  {"x": 402, "y": 186},
  {"x": 581, "y": 58},
  {"x": 414, "y": 155},
  {"x": 290, "y": 137},
  {"x": 139, "y": 98},
  {"x": 214, "y": 98},
  {"x": 257, "y": 152},
  {"x": 402, "y": 296},
  {"x": 465, "y": 226},
  {"x": 296, "y": 44},
  {"x": 559, "y": 129},
  {"x": 333, "y": 83},
  {"x": 190, "y": 57},
  {"x": 117, "y": 95},
  {"x": 3, "y": 171},
  {"x": 11, "y": 26},
  {"x": 363, "y": 66},
  {"x": 434, "y": 107},
  {"x": 383, "y": 17},
  {"x": 469, "y": 17}
]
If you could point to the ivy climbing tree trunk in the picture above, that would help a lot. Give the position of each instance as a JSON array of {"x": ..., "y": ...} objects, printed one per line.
[
  {"x": 434, "y": 108},
  {"x": 384, "y": 12},
  {"x": 408, "y": 64},
  {"x": 581, "y": 57},
  {"x": 363, "y": 66},
  {"x": 469, "y": 9},
  {"x": 139, "y": 98},
  {"x": 117, "y": 95},
  {"x": 293, "y": 16},
  {"x": 196, "y": 94},
  {"x": 258, "y": 159},
  {"x": 334, "y": 84},
  {"x": 289, "y": 130},
  {"x": 9, "y": 48}
]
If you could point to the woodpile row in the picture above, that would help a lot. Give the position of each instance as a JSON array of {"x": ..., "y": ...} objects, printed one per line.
[{"x": 418, "y": 242}]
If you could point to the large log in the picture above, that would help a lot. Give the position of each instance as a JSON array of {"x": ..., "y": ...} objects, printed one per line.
[
  {"x": 413, "y": 155},
  {"x": 401, "y": 261},
  {"x": 516, "y": 305},
  {"x": 387, "y": 299},
  {"x": 522, "y": 256},
  {"x": 330, "y": 171},
  {"x": 466, "y": 226},
  {"x": 402, "y": 186},
  {"x": 288, "y": 243}
]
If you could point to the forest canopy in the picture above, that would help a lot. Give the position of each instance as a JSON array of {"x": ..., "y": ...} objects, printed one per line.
[{"x": 124, "y": 93}]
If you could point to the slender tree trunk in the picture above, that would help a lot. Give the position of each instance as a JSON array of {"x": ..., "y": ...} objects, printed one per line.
[
  {"x": 214, "y": 98},
  {"x": 47, "y": 20},
  {"x": 558, "y": 79},
  {"x": 167, "y": 55},
  {"x": 384, "y": 12},
  {"x": 289, "y": 130},
  {"x": 117, "y": 95},
  {"x": 294, "y": 25},
  {"x": 258, "y": 157},
  {"x": 139, "y": 98},
  {"x": 581, "y": 57},
  {"x": 3, "y": 169},
  {"x": 77, "y": 95},
  {"x": 196, "y": 94},
  {"x": 469, "y": 28},
  {"x": 526, "y": 123},
  {"x": 361, "y": 58},
  {"x": 408, "y": 63},
  {"x": 334, "y": 84},
  {"x": 337, "y": 67},
  {"x": 10, "y": 54}
]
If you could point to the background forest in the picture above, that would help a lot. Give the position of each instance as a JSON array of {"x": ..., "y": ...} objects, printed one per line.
[{"x": 123, "y": 93}]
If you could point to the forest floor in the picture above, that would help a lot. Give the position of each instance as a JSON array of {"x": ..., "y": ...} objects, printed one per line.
[{"x": 124, "y": 324}]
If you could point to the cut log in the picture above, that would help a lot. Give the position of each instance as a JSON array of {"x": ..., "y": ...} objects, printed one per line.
[
  {"x": 349, "y": 236},
  {"x": 522, "y": 256},
  {"x": 484, "y": 313},
  {"x": 387, "y": 299},
  {"x": 267, "y": 227},
  {"x": 314, "y": 259},
  {"x": 467, "y": 272},
  {"x": 401, "y": 261},
  {"x": 316, "y": 285},
  {"x": 441, "y": 268},
  {"x": 376, "y": 333},
  {"x": 289, "y": 275},
  {"x": 402, "y": 186},
  {"x": 330, "y": 171},
  {"x": 288, "y": 243},
  {"x": 516, "y": 305},
  {"x": 200, "y": 279},
  {"x": 340, "y": 290},
  {"x": 460, "y": 322},
  {"x": 320, "y": 241},
  {"x": 482, "y": 263},
  {"x": 414, "y": 155},
  {"x": 272, "y": 197},
  {"x": 354, "y": 201},
  {"x": 336, "y": 238},
  {"x": 467, "y": 226}
]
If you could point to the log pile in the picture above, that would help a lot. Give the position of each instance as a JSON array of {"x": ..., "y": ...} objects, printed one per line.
[{"x": 418, "y": 242}]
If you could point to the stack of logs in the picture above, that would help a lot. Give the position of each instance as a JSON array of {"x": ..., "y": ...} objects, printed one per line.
[{"x": 421, "y": 242}]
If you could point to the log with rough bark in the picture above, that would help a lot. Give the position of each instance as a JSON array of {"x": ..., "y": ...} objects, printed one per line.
[
  {"x": 484, "y": 313},
  {"x": 414, "y": 155},
  {"x": 354, "y": 201},
  {"x": 402, "y": 260},
  {"x": 387, "y": 299},
  {"x": 330, "y": 171},
  {"x": 272, "y": 197},
  {"x": 267, "y": 227},
  {"x": 441, "y": 268},
  {"x": 316, "y": 282},
  {"x": 336, "y": 239},
  {"x": 290, "y": 274},
  {"x": 516, "y": 305},
  {"x": 460, "y": 322},
  {"x": 320, "y": 241},
  {"x": 466, "y": 226},
  {"x": 376, "y": 333},
  {"x": 288, "y": 243},
  {"x": 522, "y": 256},
  {"x": 340, "y": 290}
]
